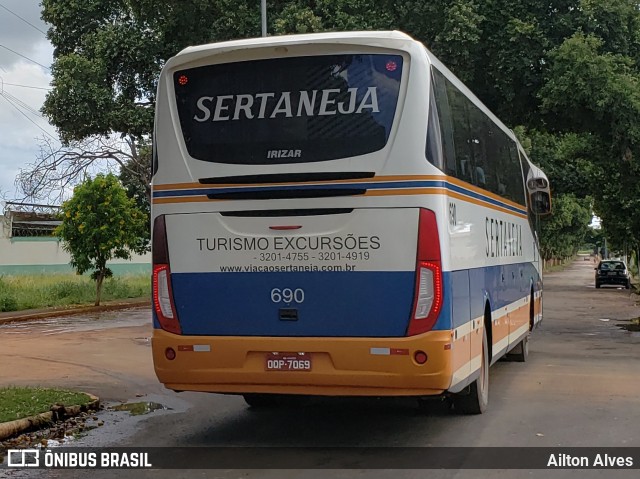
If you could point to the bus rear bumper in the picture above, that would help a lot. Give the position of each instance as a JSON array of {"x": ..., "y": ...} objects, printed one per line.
[{"x": 340, "y": 366}]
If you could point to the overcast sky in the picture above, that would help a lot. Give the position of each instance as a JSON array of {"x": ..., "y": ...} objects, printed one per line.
[{"x": 19, "y": 127}]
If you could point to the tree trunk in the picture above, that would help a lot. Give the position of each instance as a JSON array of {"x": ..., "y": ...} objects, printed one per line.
[{"x": 99, "y": 280}]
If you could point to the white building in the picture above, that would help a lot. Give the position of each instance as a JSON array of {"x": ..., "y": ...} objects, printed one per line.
[{"x": 27, "y": 245}]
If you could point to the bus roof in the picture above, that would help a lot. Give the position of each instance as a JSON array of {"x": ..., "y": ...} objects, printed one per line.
[
  {"x": 365, "y": 37},
  {"x": 384, "y": 39}
]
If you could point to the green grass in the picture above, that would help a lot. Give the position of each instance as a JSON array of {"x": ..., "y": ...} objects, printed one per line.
[
  {"x": 46, "y": 290},
  {"x": 20, "y": 402},
  {"x": 548, "y": 268}
]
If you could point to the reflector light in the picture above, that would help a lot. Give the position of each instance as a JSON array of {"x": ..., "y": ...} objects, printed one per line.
[
  {"x": 170, "y": 354},
  {"x": 399, "y": 352},
  {"x": 420, "y": 357},
  {"x": 391, "y": 66},
  {"x": 183, "y": 80}
]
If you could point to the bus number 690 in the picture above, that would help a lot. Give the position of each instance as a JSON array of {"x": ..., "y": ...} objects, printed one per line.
[{"x": 287, "y": 295}]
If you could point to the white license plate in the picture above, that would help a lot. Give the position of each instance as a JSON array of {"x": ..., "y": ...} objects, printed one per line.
[{"x": 288, "y": 362}]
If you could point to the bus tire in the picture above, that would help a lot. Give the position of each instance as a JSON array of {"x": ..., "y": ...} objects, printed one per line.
[
  {"x": 521, "y": 352},
  {"x": 532, "y": 318},
  {"x": 261, "y": 401},
  {"x": 476, "y": 398}
]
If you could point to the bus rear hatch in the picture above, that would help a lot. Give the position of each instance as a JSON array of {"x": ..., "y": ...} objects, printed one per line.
[{"x": 348, "y": 273}]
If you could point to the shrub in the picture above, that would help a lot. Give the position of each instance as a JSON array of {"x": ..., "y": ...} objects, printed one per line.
[{"x": 7, "y": 302}]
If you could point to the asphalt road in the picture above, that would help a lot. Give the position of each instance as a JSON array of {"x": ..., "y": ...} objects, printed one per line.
[{"x": 580, "y": 387}]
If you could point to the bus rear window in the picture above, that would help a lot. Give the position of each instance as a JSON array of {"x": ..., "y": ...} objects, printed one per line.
[{"x": 288, "y": 110}]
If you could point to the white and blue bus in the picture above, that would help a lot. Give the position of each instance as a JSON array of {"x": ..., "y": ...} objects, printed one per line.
[{"x": 337, "y": 214}]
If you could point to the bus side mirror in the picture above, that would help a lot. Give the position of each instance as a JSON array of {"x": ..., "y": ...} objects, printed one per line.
[
  {"x": 539, "y": 192},
  {"x": 540, "y": 203}
]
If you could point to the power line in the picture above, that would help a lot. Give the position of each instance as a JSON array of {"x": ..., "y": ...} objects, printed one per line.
[
  {"x": 25, "y": 21},
  {"x": 25, "y": 115},
  {"x": 19, "y": 104},
  {"x": 27, "y": 86},
  {"x": 22, "y": 104},
  {"x": 27, "y": 58}
]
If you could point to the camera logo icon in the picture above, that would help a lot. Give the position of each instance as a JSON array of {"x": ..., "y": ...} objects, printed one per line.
[{"x": 23, "y": 458}]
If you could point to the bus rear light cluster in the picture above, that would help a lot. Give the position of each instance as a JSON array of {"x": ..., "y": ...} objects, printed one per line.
[
  {"x": 428, "y": 288},
  {"x": 162, "y": 293},
  {"x": 163, "y": 299}
]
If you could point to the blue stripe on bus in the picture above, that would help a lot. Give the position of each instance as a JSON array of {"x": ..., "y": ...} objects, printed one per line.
[
  {"x": 487, "y": 199},
  {"x": 356, "y": 304},
  {"x": 487, "y": 284},
  {"x": 338, "y": 304}
]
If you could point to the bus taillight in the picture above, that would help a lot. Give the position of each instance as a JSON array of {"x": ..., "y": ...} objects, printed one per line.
[
  {"x": 428, "y": 296},
  {"x": 162, "y": 293}
]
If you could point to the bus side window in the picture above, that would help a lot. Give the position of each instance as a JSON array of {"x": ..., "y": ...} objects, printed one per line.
[
  {"x": 463, "y": 137},
  {"x": 514, "y": 180},
  {"x": 445, "y": 122},
  {"x": 481, "y": 128},
  {"x": 434, "y": 136}
]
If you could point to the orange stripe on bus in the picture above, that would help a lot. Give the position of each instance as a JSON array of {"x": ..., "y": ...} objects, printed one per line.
[
  {"x": 372, "y": 193},
  {"x": 377, "y": 179}
]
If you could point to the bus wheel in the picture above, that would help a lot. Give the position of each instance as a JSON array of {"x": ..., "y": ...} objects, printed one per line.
[
  {"x": 521, "y": 352},
  {"x": 261, "y": 401},
  {"x": 476, "y": 398}
]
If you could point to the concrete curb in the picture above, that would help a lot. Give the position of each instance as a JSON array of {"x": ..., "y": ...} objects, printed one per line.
[
  {"x": 40, "y": 421},
  {"x": 34, "y": 314}
]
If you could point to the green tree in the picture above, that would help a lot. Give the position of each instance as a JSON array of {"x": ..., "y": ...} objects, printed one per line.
[
  {"x": 566, "y": 230},
  {"x": 594, "y": 239},
  {"x": 567, "y": 70},
  {"x": 131, "y": 178},
  {"x": 594, "y": 90},
  {"x": 100, "y": 223}
]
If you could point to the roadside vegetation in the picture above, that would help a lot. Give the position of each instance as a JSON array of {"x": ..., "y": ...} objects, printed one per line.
[
  {"x": 21, "y": 402},
  {"x": 46, "y": 290},
  {"x": 564, "y": 75},
  {"x": 100, "y": 223}
]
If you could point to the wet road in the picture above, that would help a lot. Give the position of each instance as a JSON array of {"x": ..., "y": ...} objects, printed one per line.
[
  {"x": 580, "y": 387},
  {"x": 107, "y": 354},
  {"x": 78, "y": 323}
]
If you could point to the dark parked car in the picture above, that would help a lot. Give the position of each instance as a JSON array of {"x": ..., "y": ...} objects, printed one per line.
[{"x": 612, "y": 272}]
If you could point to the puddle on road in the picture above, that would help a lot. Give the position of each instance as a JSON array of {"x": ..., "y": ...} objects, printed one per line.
[
  {"x": 632, "y": 325},
  {"x": 140, "y": 408},
  {"x": 80, "y": 322}
]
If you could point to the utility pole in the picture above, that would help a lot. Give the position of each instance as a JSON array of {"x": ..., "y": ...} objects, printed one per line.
[{"x": 263, "y": 12}]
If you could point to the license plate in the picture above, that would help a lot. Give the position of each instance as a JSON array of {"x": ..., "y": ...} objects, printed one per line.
[{"x": 288, "y": 362}]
